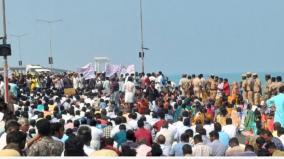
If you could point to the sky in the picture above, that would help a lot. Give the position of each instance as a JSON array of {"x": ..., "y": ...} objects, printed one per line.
[{"x": 184, "y": 36}]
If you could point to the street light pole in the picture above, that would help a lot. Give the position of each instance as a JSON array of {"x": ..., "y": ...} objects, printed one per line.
[
  {"x": 142, "y": 40},
  {"x": 19, "y": 36},
  {"x": 50, "y": 22},
  {"x": 6, "y": 96}
]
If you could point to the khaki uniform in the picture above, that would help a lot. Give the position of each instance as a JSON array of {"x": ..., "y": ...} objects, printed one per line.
[
  {"x": 184, "y": 86},
  {"x": 257, "y": 91},
  {"x": 273, "y": 88},
  {"x": 249, "y": 89},
  {"x": 244, "y": 87},
  {"x": 267, "y": 92},
  {"x": 213, "y": 89},
  {"x": 197, "y": 87}
]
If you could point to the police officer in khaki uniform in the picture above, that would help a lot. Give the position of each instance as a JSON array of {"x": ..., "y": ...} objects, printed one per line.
[
  {"x": 244, "y": 87},
  {"x": 213, "y": 88},
  {"x": 249, "y": 87},
  {"x": 279, "y": 82},
  {"x": 267, "y": 93},
  {"x": 256, "y": 89},
  {"x": 273, "y": 87}
]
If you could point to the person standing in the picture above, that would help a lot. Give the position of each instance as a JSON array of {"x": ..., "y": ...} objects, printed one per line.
[
  {"x": 256, "y": 89},
  {"x": 268, "y": 83},
  {"x": 277, "y": 103},
  {"x": 129, "y": 88},
  {"x": 244, "y": 87},
  {"x": 249, "y": 88}
]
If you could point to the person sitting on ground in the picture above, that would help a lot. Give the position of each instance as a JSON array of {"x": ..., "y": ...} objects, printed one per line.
[
  {"x": 187, "y": 150},
  {"x": 235, "y": 149}
]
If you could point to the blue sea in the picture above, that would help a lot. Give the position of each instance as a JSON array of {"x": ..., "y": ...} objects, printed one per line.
[{"x": 230, "y": 76}]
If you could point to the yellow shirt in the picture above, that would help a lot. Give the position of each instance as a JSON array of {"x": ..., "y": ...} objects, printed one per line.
[
  {"x": 9, "y": 152},
  {"x": 278, "y": 153},
  {"x": 103, "y": 153}
]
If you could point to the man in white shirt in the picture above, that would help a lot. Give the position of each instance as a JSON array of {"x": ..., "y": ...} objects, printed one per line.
[
  {"x": 132, "y": 122},
  {"x": 97, "y": 134},
  {"x": 167, "y": 134},
  {"x": 230, "y": 128},
  {"x": 165, "y": 148},
  {"x": 181, "y": 130}
]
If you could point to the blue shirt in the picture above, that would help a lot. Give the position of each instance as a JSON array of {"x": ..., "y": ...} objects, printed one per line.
[
  {"x": 224, "y": 138},
  {"x": 177, "y": 149},
  {"x": 218, "y": 149},
  {"x": 278, "y": 102}
]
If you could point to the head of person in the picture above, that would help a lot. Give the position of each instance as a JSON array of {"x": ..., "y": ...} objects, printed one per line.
[
  {"x": 17, "y": 138},
  {"x": 281, "y": 89},
  {"x": 156, "y": 150},
  {"x": 214, "y": 135},
  {"x": 234, "y": 142},
  {"x": 189, "y": 132},
  {"x": 24, "y": 122},
  {"x": 184, "y": 137},
  {"x": 127, "y": 151},
  {"x": 74, "y": 146},
  {"x": 273, "y": 79},
  {"x": 267, "y": 77},
  {"x": 197, "y": 139},
  {"x": 280, "y": 131},
  {"x": 259, "y": 142},
  {"x": 249, "y": 148},
  {"x": 85, "y": 134},
  {"x": 109, "y": 141},
  {"x": 266, "y": 135},
  {"x": 130, "y": 135},
  {"x": 279, "y": 79},
  {"x": 122, "y": 127},
  {"x": 140, "y": 123},
  {"x": 161, "y": 139},
  {"x": 229, "y": 121},
  {"x": 43, "y": 127},
  {"x": 271, "y": 147},
  {"x": 57, "y": 129},
  {"x": 217, "y": 127},
  {"x": 276, "y": 126},
  {"x": 186, "y": 122},
  {"x": 12, "y": 125},
  {"x": 187, "y": 149}
]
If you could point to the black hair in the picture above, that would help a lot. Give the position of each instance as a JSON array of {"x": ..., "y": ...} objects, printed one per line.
[
  {"x": 156, "y": 150},
  {"x": 130, "y": 135},
  {"x": 234, "y": 141},
  {"x": 217, "y": 127},
  {"x": 85, "y": 134},
  {"x": 140, "y": 123},
  {"x": 198, "y": 138},
  {"x": 43, "y": 127},
  {"x": 214, "y": 134},
  {"x": 186, "y": 149},
  {"x": 186, "y": 122},
  {"x": 11, "y": 125},
  {"x": 249, "y": 148},
  {"x": 56, "y": 127},
  {"x": 17, "y": 137},
  {"x": 74, "y": 147},
  {"x": 229, "y": 121},
  {"x": 189, "y": 132},
  {"x": 184, "y": 137}
]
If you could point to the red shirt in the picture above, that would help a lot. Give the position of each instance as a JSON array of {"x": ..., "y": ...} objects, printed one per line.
[
  {"x": 159, "y": 124},
  {"x": 226, "y": 88},
  {"x": 143, "y": 134}
]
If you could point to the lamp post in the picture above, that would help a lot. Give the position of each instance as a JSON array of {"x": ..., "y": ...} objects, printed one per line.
[
  {"x": 141, "y": 53},
  {"x": 19, "y": 36},
  {"x": 50, "y": 22},
  {"x": 5, "y": 50}
]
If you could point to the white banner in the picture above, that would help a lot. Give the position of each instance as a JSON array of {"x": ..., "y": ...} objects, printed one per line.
[
  {"x": 112, "y": 69},
  {"x": 88, "y": 71}
]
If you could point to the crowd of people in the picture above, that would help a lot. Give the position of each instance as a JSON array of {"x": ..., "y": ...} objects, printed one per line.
[{"x": 141, "y": 115}]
